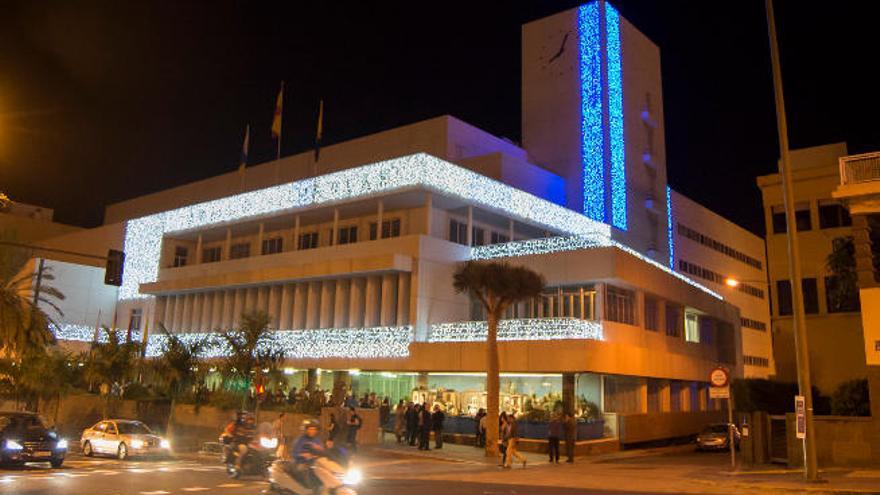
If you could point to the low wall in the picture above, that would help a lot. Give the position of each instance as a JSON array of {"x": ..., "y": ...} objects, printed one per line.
[
  {"x": 647, "y": 427},
  {"x": 840, "y": 441}
]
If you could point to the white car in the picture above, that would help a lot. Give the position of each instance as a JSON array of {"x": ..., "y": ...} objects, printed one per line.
[{"x": 122, "y": 438}]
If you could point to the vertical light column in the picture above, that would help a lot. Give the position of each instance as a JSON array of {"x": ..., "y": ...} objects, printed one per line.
[
  {"x": 238, "y": 306},
  {"x": 340, "y": 303},
  {"x": 379, "y": 220},
  {"x": 328, "y": 291},
  {"x": 470, "y": 227},
  {"x": 285, "y": 318},
  {"x": 300, "y": 298},
  {"x": 228, "y": 319},
  {"x": 217, "y": 310},
  {"x": 313, "y": 305},
  {"x": 196, "y": 320},
  {"x": 356, "y": 302},
  {"x": 262, "y": 299},
  {"x": 186, "y": 317},
  {"x": 372, "y": 303},
  {"x": 388, "y": 304},
  {"x": 275, "y": 305},
  {"x": 403, "y": 298}
]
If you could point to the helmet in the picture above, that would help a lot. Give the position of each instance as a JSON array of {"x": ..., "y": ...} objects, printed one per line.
[{"x": 310, "y": 423}]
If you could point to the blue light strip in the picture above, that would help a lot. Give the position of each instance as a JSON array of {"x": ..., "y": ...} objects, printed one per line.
[
  {"x": 592, "y": 133},
  {"x": 615, "y": 118},
  {"x": 669, "y": 232}
]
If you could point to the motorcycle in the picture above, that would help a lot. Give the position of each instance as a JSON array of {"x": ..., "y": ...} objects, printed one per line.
[
  {"x": 260, "y": 454},
  {"x": 284, "y": 480}
]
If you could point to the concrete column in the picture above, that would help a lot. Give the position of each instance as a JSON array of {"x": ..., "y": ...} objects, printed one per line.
[
  {"x": 340, "y": 303},
  {"x": 685, "y": 397},
  {"x": 600, "y": 302},
  {"x": 227, "y": 247},
  {"x": 274, "y": 305},
  {"x": 205, "y": 319},
  {"x": 168, "y": 317},
  {"x": 372, "y": 295},
  {"x": 429, "y": 208},
  {"x": 568, "y": 392},
  {"x": 300, "y": 299},
  {"x": 328, "y": 291},
  {"x": 470, "y": 227},
  {"x": 228, "y": 319},
  {"x": 379, "y": 216},
  {"x": 703, "y": 393},
  {"x": 238, "y": 306},
  {"x": 403, "y": 298},
  {"x": 356, "y": 302},
  {"x": 335, "y": 232},
  {"x": 178, "y": 313},
  {"x": 642, "y": 395},
  {"x": 196, "y": 320},
  {"x": 159, "y": 310},
  {"x": 388, "y": 303},
  {"x": 285, "y": 319},
  {"x": 313, "y": 305},
  {"x": 260, "y": 233},
  {"x": 250, "y": 299},
  {"x": 262, "y": 299},
  {"x": 665, "y": 396},
  {"x": 186, "y": 318},
  {"x": 295, "y": 243},
  {"x": 198, "y": 256},
  {"x": 217, "y": 310},
  {"x": 510, "y": 229}
]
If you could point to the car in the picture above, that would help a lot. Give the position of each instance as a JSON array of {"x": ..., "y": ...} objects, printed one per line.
[
  {"x": 717, "y": 437},
  {"x": 24, "y": 437},
  {"x": 122, "y": 438}
]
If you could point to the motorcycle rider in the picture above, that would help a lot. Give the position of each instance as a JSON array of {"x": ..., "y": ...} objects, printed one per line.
[
  {"x": 237, "y": 435},
  {"x": 309, "y": 459}
]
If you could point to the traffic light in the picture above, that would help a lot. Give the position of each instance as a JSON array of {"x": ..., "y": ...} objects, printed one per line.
[{"x": 115, "y": 265}]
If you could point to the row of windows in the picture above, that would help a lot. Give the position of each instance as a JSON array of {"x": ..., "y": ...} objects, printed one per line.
[
  {"x": 848, "y": 302},
  {"x": 716, "y": 277},
  {"x": 831, "y": 215},
  {"x": 458, "y": 234},
  {"x": 756, "y": 361},
  {"x": 753, "y": 324},
  {"x": 620, "y": 307},
  {"x": 718, "y": 246}
]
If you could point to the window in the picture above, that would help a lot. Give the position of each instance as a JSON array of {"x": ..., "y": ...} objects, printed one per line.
[
  {"x": 479, "y": 236},
  {"x": 753, "y": 324},
  {"x": 273, "y": 245},
  {"x": 718, "y": 246},
  {"x": 841, "y": 299},
  {"x": 347, "y": 235},
  {"x": 705, "y": 273},
  {"x": 756, "y": 361},
  {"x": 134, "y": 320},
  {"x": 778, "y": 219},
  {"x": 832, "y": 214},
  {"x": 691, "y": 327},
  {"x": 673, "y": 320},
  {"x": 240, "y": 250},
  {"x": 783, "y": 295},
  {"x": 497, "y": 238},
  {"x": 180, "y": 255},
  {"x": 811, "y": 296},
  {"x": 620, "y": 305},
  {"x": 309, "y": 240},
  {"x": 652, "y": 316},
  {"x": 801, "y": 218},
  {"x": 457, "y": 232},
  {"x": 211, "y": 254},
  {"x": 390, "y": 228}
]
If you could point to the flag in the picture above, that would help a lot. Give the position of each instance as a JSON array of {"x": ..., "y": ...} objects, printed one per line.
[
  {"x": 244, "y": 149},
  {"x": 319, "y": 130},
  {"x": 276, "y": 119}
]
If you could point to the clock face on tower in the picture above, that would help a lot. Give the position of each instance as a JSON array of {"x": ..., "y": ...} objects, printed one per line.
[{"x": 558, "y": 52}]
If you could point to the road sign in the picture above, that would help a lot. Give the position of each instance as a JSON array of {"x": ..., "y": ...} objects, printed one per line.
[
  {"x": 719, "y": 392},
  {"x": 800, "y": 409},
  {"x": 719, "y": 377}
]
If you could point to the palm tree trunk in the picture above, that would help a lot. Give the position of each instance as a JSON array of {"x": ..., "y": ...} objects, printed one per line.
[
  {"x": 169, "y": 425},
  {"x": 492, "y": 385}
]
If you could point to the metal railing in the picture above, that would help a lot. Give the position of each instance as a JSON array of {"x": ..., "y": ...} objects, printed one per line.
[{"x": 860, "y": 168}]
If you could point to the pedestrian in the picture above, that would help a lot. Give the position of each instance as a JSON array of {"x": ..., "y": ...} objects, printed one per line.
[
  {"x": 384, "y": 412},
  {"x": 354, "y": 424},
  {"x": 412, "y": 423},
  {"x": 333, "y": 427},
  {"x": 437, "y": 424},
  {"x": 569, "y": 426},
  {"x": 481, "y": 428},
  {"x": 278, "y": 433},
  {"x": 502, "y": 435},
  {"x": 512, "y": 438},
  {"x": 554, "y": 433},
  {"x": 400, "y": 421},
  {"x": 424, "y": 427}
]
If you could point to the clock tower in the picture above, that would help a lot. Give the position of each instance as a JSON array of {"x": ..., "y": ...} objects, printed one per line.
[{"x": 592, "y": 112}]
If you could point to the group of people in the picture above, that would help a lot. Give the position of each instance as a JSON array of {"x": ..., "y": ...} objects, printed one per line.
[
  {"x": 413, "y": 423},
  {"x": 345, "y": 419},
  {"x": 562, "y": 427}
]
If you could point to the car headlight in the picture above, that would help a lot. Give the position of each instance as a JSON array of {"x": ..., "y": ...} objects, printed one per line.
[
  {"x": 62, "y": 444},
  {"x": 352, "y": 477},
  {"x": 268, "y": 443},
  {"x": 137, "y": 444},
  {"x": 13, "y": 445},
  {"x": 165, "y": 444}
]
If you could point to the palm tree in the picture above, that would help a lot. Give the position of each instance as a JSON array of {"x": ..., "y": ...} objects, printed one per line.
[
  {"x": 178, "y": 367},
  {"x": 843, "y": 293},
  {"x": 113, "y": 364},
  {"x": 497, "y": 286},
  {"x": 251, "y": 350}
]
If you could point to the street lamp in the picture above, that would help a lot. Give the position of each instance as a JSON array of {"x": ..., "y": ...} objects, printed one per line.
[{"x": 731, "y": 282}]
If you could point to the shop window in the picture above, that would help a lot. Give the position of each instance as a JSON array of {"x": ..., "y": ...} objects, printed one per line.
[
  {"x": 211, "y": 254},
  {"x": 272, "y": 246},
  {"x": 240, "y": 250},
  {"x": 180, "y": 255}
]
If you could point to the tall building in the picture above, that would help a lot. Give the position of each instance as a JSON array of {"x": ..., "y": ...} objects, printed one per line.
[
  {"x": 352, "y": 257},
  {"x": 834, "y": 327}
]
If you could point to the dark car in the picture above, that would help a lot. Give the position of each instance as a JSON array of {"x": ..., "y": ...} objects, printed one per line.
[
  {"x": 717, "y": 437},
  {"x": 24, "y": 437}
]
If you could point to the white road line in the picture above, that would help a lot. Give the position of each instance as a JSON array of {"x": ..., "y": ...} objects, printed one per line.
[
  {"x": 195, "y": 489},
  {"x": 231, "y": 485},
  {"x": 157, "y": 492}
]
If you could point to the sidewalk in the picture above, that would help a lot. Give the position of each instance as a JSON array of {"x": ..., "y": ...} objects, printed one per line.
[{"x": 465, "y": 454}]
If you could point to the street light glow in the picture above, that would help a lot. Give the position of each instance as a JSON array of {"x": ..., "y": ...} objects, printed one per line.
[{"x": 731, "y": 282}]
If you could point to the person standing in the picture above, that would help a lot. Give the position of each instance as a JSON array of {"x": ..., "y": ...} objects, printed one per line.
[
  {"x": 333, "y": 427},
  {"x": 354, "y": 425},
  {"x": 554, "y": 433},
  {"x": 437, "y": 424},
  {"x": 502, "y": 437},
  {"x": 570, "y": 427},
  {"x": 412, "y": 423},
  {"x": 278, "y": 433},
  {"x": 512, "y": 438},
  {"x": 425, "y": 428},
  {"x": 481, "y": 428},
  {"x": 399, "y": 421}
]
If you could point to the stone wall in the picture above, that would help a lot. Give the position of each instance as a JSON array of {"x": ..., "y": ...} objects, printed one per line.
[
  {"x": 840, "y": 441},
  {"x": 637, "y": 428}
]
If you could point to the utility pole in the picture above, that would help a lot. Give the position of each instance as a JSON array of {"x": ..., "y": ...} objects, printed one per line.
[{"x": 802, "y": 353}]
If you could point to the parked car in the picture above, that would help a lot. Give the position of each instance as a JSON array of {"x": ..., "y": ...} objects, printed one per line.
[
  {"x": 24, "y": 437},
  {"x": 717, "y": 437},
  {"x": 122, "y": 438}
]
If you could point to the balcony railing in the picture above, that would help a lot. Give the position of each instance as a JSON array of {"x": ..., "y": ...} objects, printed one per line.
[{"x": 860, "y": 168}]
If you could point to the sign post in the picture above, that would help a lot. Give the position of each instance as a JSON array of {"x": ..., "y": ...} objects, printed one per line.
[
  {"x": 719, "y": 379},
  {"x": 800, "y": 409}
]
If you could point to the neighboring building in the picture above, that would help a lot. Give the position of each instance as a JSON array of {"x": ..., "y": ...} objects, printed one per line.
[
  {"x": 24, "y": 223},
  {"x": 834, "y": 331},
  {"x": 352, "y": 257}
]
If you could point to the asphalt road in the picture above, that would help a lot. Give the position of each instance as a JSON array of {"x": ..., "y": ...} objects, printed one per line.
[{"x": 191, "y": 475}]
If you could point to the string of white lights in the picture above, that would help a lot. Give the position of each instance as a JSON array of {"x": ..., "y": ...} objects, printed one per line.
[{"x": 518, "y": 329}]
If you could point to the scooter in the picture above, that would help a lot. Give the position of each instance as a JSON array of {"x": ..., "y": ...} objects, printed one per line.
[
  {"x": 260, "y": 454},
  {"x": 337, "y": 479}
]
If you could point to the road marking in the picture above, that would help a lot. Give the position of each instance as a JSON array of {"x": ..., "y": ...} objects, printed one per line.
[
  {"x": 231, "y": 485},
  {"x": 195, "y": 489},
  {"x": 157, "y": 492}
]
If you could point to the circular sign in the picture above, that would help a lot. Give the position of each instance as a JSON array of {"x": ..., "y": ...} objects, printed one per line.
[{"x": 719, "y": 377}]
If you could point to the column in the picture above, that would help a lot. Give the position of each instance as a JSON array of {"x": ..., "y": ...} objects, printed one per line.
[
  {"x": 295, "y": 242},
  {"x": 228, "y": 320},
  {"x": 178, "y": 313},
  {"x": 403, "y": 298},
  {"x": 388, "y": 314},
  {"x": 335, "y": 232},
  {"x": 186, "y": 317},
  {"x": 600, "y": 302},
  {"x": 196, "y": 321},
  {"x": 642, "y": 395},
  {"x": 260, "y": 232},
  {"x": 685, "y": 397},
  {"x": 379, "y": 216},
  {"x": 227, "y": 247},
  {"x": 275, "y": 305},
  {"x": 198, "y": 256},
  {"x": 262, "y": 299},
  {"x": 665, "y": 396},
  {"x": 356, "y": 302},
  {"x": 313, "y": 305},
  {"x": 371, "y": 304},
  {"x": 429, "y": 208},
  {"x": 250, "y": 299},
  {"x": 168, "y": 319},
  {"x": 328, "y": 291},
  {"x": 159, "y": 310},
  {"x": 300, "y": 298},
  {"x": 470, "y": 227},
  {"x": 510, "y": 229},
  {"x": 568, "y": 392},
  {"x": 217, "y": 310},
  {"x": 285, "y": 318},
  {"x": 703, "y": 390},
  {"x": 340, "y": 303},
  {"x": 238, "y": 306}
]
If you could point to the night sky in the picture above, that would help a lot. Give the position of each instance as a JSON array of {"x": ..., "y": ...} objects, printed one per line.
[{"x": 104, "y": 101}]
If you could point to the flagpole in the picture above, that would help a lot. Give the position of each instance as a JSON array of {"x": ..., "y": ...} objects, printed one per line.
[{"x": 280, "y": 123}]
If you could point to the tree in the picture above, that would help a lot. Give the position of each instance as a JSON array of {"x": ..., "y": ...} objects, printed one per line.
[
  {"x": 251, "y": 350},
  {"x": 851, "y": 399},
  {"x": 38, "y": 375},
  {"x": 178, "y": 367},
  {"x": 497, "y": 286},
  {"x": 843, "y": 288},
  {"x": 112, "y": 365}
]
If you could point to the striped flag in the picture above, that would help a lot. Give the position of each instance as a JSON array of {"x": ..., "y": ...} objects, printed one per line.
[
  {"x": 319, "y": 130},
  {"x": 244, "y": 149},
  {"x": 276, "y": 119}
]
